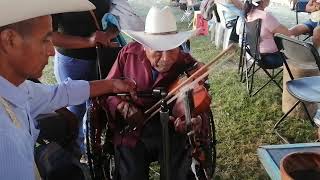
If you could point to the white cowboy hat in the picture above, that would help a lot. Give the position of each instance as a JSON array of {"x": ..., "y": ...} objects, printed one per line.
[
  {"x": 12, "y": 11},
  {"x": 160, "y": 31}
]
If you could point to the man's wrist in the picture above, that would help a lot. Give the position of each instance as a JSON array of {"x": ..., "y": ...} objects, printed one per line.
[
  {"x": 109, "y": 86},
  {"x": 101, "y": 87}
]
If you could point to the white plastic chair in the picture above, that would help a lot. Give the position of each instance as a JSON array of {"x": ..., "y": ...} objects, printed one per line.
[
  {"x": 212, "y": 28},
  {"x": 225, "y": 15}
]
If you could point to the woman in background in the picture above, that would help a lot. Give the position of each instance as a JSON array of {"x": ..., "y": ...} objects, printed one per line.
[{"x": 269, "y": 26}]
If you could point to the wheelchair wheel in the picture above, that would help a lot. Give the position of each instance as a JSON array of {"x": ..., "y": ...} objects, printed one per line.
[
  {"x": 101, "y": 159},
  {"x": 108, "y": 164},
  {"x": 99, "y": 146},
  {"x": 95, "y": 137},
  {"x": 212, "y": 145}
]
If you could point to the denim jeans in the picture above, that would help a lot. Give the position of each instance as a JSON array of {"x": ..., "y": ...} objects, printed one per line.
[{"x": 76, "y": 69}]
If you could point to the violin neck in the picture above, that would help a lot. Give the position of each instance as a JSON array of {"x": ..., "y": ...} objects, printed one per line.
[{"x": 188, "y": 105}]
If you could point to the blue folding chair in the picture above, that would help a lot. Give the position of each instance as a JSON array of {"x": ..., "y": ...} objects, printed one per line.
[{"x": 304, "y": 89}]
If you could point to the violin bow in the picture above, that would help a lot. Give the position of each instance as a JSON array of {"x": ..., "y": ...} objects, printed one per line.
[{"x": 230, "y": 48}]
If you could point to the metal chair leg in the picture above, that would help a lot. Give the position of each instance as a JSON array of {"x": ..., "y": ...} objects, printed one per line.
[
  {"x": 252, "y": 78},
  {"x": 272, "y": 78},
  {"x": 308, "y": 114},
  {"x": 285, "y": 140},
  {"x": 240, "y": 66}
]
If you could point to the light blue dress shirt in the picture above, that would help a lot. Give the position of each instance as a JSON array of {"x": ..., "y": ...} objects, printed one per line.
[{"x": 28, "y": 101}]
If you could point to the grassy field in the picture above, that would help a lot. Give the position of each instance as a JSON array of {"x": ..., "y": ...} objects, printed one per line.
[{"x": 243, "y": 123}]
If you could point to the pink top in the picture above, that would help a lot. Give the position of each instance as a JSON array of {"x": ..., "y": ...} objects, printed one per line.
[{"x": 268, "y": 24}]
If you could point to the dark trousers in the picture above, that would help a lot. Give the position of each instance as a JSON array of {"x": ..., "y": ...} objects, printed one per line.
[
  {"x": 54, "y": 127},
  {"x": 59, "y": 158},
  {"x": 271, "y": 60},
  {"x": 133, "y": 163}
]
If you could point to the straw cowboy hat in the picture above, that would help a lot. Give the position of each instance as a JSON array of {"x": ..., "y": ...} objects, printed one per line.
[
  {"x": 160, "y": 31},
  {"x": 12, "y": 11}
]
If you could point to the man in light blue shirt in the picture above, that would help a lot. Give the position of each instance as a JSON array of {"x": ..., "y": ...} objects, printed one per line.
[{"x": 25, "y": 45}]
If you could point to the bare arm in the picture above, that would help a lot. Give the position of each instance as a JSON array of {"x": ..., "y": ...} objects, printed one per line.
[
  {"x": 312, "y": 6},
  {"x": 77, "y": 42},
  {"x": 71, "y": 42},
  {"x": 282, "y": 30}
]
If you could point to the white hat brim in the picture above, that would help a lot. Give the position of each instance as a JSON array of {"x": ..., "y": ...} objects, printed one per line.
[
  {"x": 12, "y": 11},
  {"x": 160, "y": 42}
]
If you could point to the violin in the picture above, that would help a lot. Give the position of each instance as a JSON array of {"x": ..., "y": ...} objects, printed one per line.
[
  {"x": 199, "y": 97},
  {"x": 190, "y": 82},
  {"x": 194, "y": 101}
]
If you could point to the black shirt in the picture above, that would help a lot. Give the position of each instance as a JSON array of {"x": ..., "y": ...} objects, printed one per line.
[{"x": 79, "y": 24}]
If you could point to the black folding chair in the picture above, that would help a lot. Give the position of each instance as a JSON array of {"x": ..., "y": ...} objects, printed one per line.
[
  {"x": 303, "y": 89},
  {"x": 253, "y": 60}
]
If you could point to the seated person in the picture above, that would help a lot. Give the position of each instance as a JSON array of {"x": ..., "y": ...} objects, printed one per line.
[
  {"x": 309, "y": 26},
  {"x": 269, "y": 26},
  {"x": 155, "y": 60},
  {"x": 231, "y": 17}
]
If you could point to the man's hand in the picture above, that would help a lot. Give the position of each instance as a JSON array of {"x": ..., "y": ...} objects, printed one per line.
[
  {"x": 180, "y": 124},
  {"x": 104, "y": 38},
  {"x": 130, "y": 113},
  {"x": 312, "y": 6},
  {"x": 197, "y": 124},
  {"x": 105, "y": 86},
  {"x": 125, "y": 85}
]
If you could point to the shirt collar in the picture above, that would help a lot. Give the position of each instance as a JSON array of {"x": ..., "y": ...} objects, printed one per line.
[{"x": 13, "y": 94}]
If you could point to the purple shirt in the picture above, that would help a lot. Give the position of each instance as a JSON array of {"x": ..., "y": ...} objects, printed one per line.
[{"x": 133, "y": 63}]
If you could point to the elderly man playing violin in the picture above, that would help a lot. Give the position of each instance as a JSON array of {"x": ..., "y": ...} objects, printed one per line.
[{"x": 153, "y": 60}]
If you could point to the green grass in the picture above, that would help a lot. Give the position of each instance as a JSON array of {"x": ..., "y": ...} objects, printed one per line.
[{"x": 243, "y": 123}]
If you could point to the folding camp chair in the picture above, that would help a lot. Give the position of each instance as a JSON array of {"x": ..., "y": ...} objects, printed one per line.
[
  {"x": 304, "y": 89},
  {"x": 253, "y": 60}
]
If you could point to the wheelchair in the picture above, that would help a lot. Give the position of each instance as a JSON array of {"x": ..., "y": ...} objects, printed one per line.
[{"x": 100, "y": 149}]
